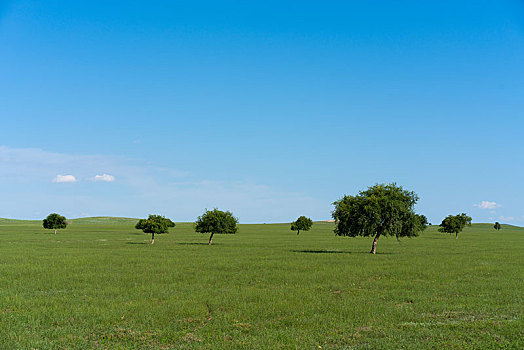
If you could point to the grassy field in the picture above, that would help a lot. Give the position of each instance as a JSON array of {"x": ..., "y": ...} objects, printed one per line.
[{"x": 100, "y": 284}]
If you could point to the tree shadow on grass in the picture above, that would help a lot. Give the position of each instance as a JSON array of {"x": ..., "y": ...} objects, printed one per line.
[
  {"x": 318, "y": 251},
  {"x": 197, "y": 243},
  {"x": 377, "y": 253}
]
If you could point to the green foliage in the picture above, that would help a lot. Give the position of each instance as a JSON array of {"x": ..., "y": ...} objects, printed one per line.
[
  {"x": 301, "y": 224},
  {"x": 170, "y": 223},
  {"x": 383, "y": 209},
  {"x": 454, "y": 223},
  {"x": 154, "y": 224},
  {"x": 497, "y": 226},
  {"x": 54, "y": 222},
  {"x": 422, "y": 222},
  {"x": 216, "y": 222}
]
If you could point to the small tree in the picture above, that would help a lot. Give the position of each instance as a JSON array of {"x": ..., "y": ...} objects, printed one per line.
[
  {"x": 54, "y": 222},
  {"x": 497, "y": 226},
  {"x": 154, "y": 224},
  {"x": 216, "y": 222},
  {"x": 381, "y": 210},
  {"x": 454, "y": 224},
  {"x": 302, "y": 223}
]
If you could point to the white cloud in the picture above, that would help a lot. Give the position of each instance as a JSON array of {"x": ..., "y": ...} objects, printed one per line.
[
  {"x": 34, "y": 165},
  {"x": 144, "y": 189},
  {"x": 487, "y": 205},
  {"x": 506, "y": 218},
  {"x": 104, "y": 177},
  {"x": 64, "y": 178}
]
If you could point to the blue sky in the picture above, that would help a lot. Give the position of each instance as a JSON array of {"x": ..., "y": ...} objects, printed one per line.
[{"x": 270, "y": 109}]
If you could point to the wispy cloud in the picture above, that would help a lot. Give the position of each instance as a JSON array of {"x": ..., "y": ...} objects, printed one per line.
[
  {"x": 64, "y": 178},
  {"x": 34, "y": 165},
  {"x": 506, "y": 218},
  {"x": 104, "y": 177},
  {"x": 487, "y": 205},
  {"x": 143, "y": 189}
]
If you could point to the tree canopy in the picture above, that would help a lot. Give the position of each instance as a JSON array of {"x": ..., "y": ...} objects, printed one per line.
[
  {"x": 381, "y": 210},
  {"x": 302, "y": 223},
  {"x": 455, "y": 223},
  {"x": 54, "y": 222},
  {"x": 497, "y": 226},
  {"x": 216, "y": 222},
  {"x": 154, "y": 224}
]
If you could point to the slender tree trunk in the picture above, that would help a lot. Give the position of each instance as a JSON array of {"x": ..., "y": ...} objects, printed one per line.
[
  {"x": 211, "y": 238},
  {"x": 298, "y": 231},
  {"x": 374, "y": 246},
  {"x": 153, "y": 238},
  {"x": 456, "y": 235},
  {"x": 55, "y": 231}
]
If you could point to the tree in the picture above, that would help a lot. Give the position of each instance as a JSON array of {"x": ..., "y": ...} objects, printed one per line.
[
  {"x": 54, "y": 222},
  {"x": 154, "y": 224},
  {"x": 497, "y": 226},
  {"x": 454, "y": 224},
  {"x": 381, "y": 210},
  {"x": 302, "y": 223},
  {"x": 216, "y": 222}
]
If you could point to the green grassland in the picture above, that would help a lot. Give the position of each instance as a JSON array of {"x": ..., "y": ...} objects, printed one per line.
[{"x": 100, "y": 284}]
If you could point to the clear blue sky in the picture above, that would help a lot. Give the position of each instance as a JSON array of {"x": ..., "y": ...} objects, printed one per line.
[{"x": 271, "y": 109}]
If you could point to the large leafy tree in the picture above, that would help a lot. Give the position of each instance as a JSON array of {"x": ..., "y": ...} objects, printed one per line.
[
  {"x": 216, "y": 222},
  {"x": 302, "y": 223},
  {"x": 454, "y": 224},
  {"x": 497, "y": 226},
  {"x": 54, "y": 222},
  {"x": 154, "y": 224},
  {"x": 381, "y": 210}
]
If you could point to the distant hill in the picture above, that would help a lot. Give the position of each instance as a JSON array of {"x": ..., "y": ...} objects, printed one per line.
[
  {"x": 490, "y": 225},
  {"x": 4, "y": 221},
  {"x": 104, "y": 220}
]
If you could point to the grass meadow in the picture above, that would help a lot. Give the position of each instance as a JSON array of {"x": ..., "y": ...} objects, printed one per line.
[{"x": 101, "y": 284}]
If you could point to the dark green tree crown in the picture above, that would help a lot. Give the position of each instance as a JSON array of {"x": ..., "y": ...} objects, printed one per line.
[
  {"x": 216, "y": 221},
  {"x": 154, "y": 224},
  {"x": 54, "y": 222},
  {"x": 455, "y": 223},
  {"x": 385, "y": 209},
  {"x": 301, "y": 224}
]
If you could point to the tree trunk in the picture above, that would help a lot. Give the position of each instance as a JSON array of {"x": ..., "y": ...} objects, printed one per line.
[
  {"x": 374, "y": 246},
  {"x": 211, "y": 238},
  {"x": 298, "y": 231},
  {"x": 456, "y": 235},
  {"x": 55, "y": 231},
  {"x": 152, "y": 238}
]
